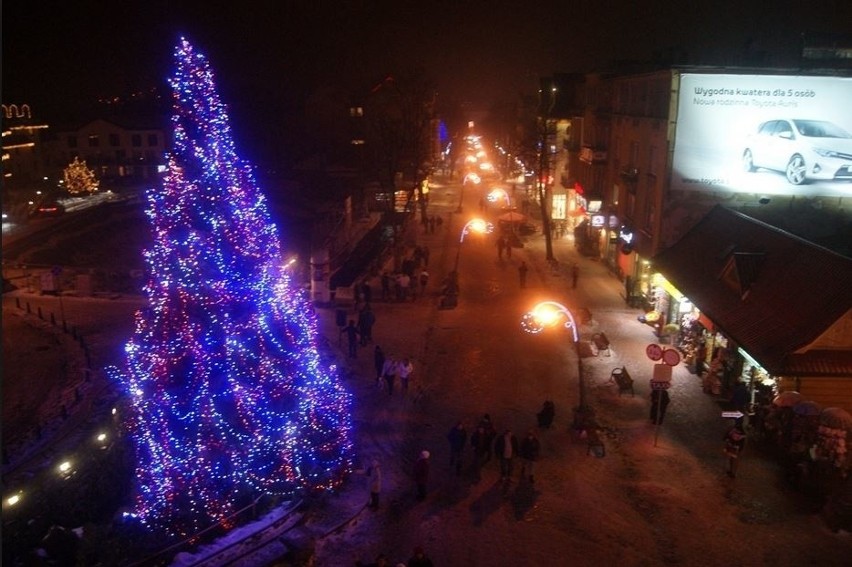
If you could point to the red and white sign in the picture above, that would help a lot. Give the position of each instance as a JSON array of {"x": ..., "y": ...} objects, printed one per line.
[
  {"x": 654, "y": 352},
  {"x": 671, "y": 357}
]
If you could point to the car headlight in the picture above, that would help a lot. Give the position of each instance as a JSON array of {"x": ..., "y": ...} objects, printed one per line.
[{"x": 823, "y": 152}]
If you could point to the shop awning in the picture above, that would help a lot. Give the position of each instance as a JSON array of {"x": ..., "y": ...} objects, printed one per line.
[{"x": 773, "y": 293}]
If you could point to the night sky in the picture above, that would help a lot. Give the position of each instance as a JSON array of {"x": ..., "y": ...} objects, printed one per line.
[{"x": 59, "y": 56}]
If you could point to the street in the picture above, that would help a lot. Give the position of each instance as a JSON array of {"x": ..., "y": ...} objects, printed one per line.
[{"x": 636, "y": 503}]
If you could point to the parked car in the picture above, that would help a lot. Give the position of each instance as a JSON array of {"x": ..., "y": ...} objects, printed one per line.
[{"x": 803, "y": 150}]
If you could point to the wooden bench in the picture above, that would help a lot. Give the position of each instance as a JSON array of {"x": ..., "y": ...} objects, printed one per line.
[{"x": 601, "y": 343}]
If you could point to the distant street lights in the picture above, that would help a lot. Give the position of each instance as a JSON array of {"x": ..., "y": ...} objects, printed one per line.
[
  {"x": 552, "y": 314},
  {"x": 478, "y": 226}
]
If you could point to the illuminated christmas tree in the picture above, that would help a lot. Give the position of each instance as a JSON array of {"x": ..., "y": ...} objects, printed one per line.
[
  {"x": 79, "y": 178},
  {"x": 227, "y": 393}
]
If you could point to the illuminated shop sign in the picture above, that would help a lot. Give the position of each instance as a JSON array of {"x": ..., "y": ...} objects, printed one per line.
[{"x": 598, "y": 221}]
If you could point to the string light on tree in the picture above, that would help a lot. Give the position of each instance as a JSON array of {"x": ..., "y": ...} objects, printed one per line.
[
  {"x": 228, "y": 395},
  {"x": 79, "y": 178}
]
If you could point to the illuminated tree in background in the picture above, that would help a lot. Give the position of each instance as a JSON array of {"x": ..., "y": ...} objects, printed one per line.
[
  {"x": 79, "y": 178},
  {"x": 228, "y": 396}
]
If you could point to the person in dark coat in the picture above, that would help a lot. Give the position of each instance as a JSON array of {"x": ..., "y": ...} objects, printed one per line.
[
  {"x": 530, "y": 449},
  {"x": 457, "y": 436},
  {"x": 490, "y": 435},
  {"x": 659, "y": 402},
  {"x": 735, "y": 439},
  {"x": 546, "y": 415},
  {"x": 419, "y": 559},
  {"x": 421, "y": 474},
  {"x": 352, "y": 337},
  {"x": 366, "y": 320},
  {"x": 379, "y": 361},
  {"x": 481, "y": 444},
  {"x": 522, "y": 274}
]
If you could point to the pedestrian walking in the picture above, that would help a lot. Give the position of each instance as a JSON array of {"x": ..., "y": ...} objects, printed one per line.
[
  {"x": 500, "y": 245},
  {"x": 404, "y": 368},
  {"x": 366, "y": 320},
  {"x": 389, "y": 374},
  {"x": 421, "y": 474},
  {"x": 530, "y": 448},
  {"x": 375, "y": 473},
  {"x": 490, "y": 435},
  {"x": 426, "y": 256},
  {"x": 367, "y": 291},
  {"x": 379, "y": 361},
  {"x": 506, "y": 448},
  {"x": 424, "y": 279},
  {"x": 352, "y": 337},
  {"x": 481, "y": 445},
  {"x": 546, "y": 415},
  {"x": 735, "y": 440},
  {"x": 575, "y": 274},
  {"x": 522, "y": 274},
  {"x": 659, "y": 402},
  {"x": 386, "y": 286},
  {"x": 419, "y": 559},
  {"x": 457, "y": 437}
]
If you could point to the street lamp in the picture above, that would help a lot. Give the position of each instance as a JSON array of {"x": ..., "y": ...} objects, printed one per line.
[
  {"x": 469, "y": 178},
  {"x": 499, "y": 193},
  {"x": 552, "y": 314},
  {"x": 478, "y": 226}
]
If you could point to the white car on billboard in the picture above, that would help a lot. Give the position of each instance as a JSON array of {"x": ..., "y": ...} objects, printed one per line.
[{"x": 804, "y": 150}]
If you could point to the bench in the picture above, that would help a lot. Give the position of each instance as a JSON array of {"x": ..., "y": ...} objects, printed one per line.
[
  {"x": 601, "y": 343},
  {"x": 622, "y": 379}
]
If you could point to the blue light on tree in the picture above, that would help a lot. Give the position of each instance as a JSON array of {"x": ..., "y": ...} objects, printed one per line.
[{"x": 227, "y": 393}]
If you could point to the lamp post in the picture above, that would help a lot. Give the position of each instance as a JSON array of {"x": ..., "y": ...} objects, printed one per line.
[
  {"x": 469, "y": 178},
  {"x": 551, "y": 314},
  {"x": 474, "y": 225},
  {"x": 499, "y": 193}
]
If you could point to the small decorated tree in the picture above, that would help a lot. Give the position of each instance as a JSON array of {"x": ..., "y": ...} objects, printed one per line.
[{"x": 79, "y": 179}]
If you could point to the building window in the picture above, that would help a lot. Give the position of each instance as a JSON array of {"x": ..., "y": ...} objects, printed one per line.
[
  {"x": 114, "y": 141},
  {"x": 152, "y": 140},
  {"x": 72, "y": 141},
  {"x": 136, "y": 140},
  {"x": 94, "y": 141},
  {"x": 356, "y": 111}
]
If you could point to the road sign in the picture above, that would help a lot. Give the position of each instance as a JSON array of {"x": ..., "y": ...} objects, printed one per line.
[
  {"x": 662, "y": 373},
  {"x": 654, "y": 352},
  {"x": 671, "y": 357},
  {"x": 732, "y": 414},
  {"x": 658, "y": 385}
]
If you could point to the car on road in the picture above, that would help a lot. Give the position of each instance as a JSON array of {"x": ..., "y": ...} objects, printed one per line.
[{"x": 804, "y": 150}]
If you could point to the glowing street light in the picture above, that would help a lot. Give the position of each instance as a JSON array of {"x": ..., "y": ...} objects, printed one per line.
[
  {"x": 550, "y": 314},
  {"x": 469, "y": 178},
  {"x": 478, "y": 226},
  {"x": 498, "y": 193}
]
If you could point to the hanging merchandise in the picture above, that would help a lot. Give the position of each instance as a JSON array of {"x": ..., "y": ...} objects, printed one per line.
[{"x": 833, "y": 437}]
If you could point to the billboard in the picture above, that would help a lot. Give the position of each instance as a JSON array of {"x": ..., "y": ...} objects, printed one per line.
[{"x": 765, "y": 134}]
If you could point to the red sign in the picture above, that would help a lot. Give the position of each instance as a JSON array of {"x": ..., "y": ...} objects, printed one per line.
[
  {"x": 671, "y": 357},
  {"x": 654, "y": 352}
]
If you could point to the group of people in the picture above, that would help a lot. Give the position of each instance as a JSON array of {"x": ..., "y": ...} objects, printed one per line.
[
  {"x": 486, "y": 443},
  {"x": 388, "y": 369}
]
